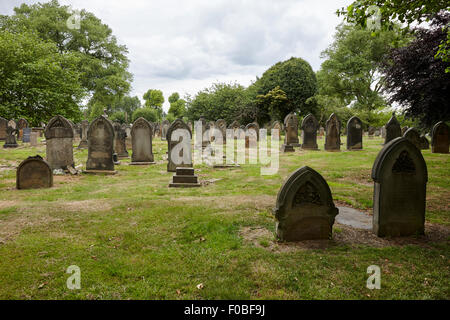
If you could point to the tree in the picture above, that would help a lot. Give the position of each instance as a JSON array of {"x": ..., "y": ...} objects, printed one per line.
[
  {"x": 174, "y": 97},
  {"x": 350, "y": 71},
  {"x": 415, "y": 79},
  {"x": 147, "y": 113},
  {"x": 177, "y": 105},
  {"x": 154, "y": 99},
  {"x": 276, "y": 102},
  {"x": 118, "y": 116},
  {"x": 295, "y": 77},
  {"x": 102, "y": 61},
  {"x": 389, "y": 11},
  {"x": 36, "y": 81},
  {"x": 126, "y": 105}
]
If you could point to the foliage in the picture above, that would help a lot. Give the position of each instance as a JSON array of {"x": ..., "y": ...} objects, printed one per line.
[
  {"x": 118, "y": 116},
  {"x": 36, "y": 81},
  {"x": 154, "y": 99},
  {"x": 416, "y": 79},
  {"x": 350, "y": 71},
  {"x": 295, "y": 78},
  {"x": 275, "y": 101},
  {"x": 147, "y": 113},
  {"x": 126, "y": 105},
  {"x": 102, "y": 61},
  {"x": 177, "y": 105}
]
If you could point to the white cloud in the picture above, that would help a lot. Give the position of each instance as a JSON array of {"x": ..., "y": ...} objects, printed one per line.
[{"x": 184, "y": 46}]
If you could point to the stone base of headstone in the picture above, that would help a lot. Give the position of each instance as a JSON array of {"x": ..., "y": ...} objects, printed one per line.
[
  {"x": 287, "y": 148},
  {"x": 10, "y": 145},
  {"x": 296, "y": 145},
  {"x": 141, "y": 163},
  {"x": 310, "y": 148},
  {"x": 105, "y": 172},
  {"x": 83, "y": 144},
  {"x": 184, "y": 178},
  {"x": 223, "y": 166}
]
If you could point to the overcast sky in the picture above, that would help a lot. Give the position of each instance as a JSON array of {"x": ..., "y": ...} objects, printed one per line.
[{"x": 185, "y": 46}]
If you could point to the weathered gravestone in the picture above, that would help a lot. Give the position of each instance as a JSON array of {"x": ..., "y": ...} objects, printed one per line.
[
  {"x": 404, "y": 129},
  {"x": 34, "y": 139},
  {"x": 221, "y": 125},
  {"x": 424, "y": 143},
  {"x": 304, "y": 208},
  {"x": 21, "y": 124},
  {"x": 309, "y": 128},
  {"x": 3, "y": 127},
  {"x": 179, "y": 138},
  {"x": 164, "y": 127},
  {"x": 371, "y": 132},
  {"x": 383, "y": 132},
  {"x": 26, "y": 135},
  {"x": 235, "y": 126},
  {"x": 291, "y": 130},
  {"x": 251, "y": 135},
  {"x": 276, "y": 125},
  {"x": 59, "y": 143},
  {"x": 100, "y": 147},
  {"x": 84, "y": 129},
  {"x": 393, "y": 129},
  {"x": 33, "y": 173},
  {"x": 413, "y": 136},
  {"x": 400, "y": 178},
  {"x": 120, "y": 142},
  {"x": 11, "y": 132},
  {"x": 141, "y": 141},
  {"x": 439, "y": 138},
  {"x": 333, "y": 133},
  {"x": 354, "y": 134}
]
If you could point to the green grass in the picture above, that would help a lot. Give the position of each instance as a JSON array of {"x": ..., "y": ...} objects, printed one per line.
[{"x": 134, "y": 238}]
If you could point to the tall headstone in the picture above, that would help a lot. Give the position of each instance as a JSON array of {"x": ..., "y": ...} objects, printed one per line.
[
  {"x": 3, "y": 127},
  {"x": 439, "y": 138},
  {"x": 304, "y": 208},
  {"x": 278, "y": 126},
  {"x": 141, "y": 141},
  {"x": 309, "y": 129},
  {"x": 59, "y": 143},
  {"x": 33, "y": 173},
  {"x": 291, "y": 130},
  {"x": 26, "y": 135},
  {"x": 164, "y": 127},
  {"x": 11, "y": 132},
  {"x": 393, "y": 129},
  {"x": 251, "y": 135},
  {"x": 120, "y": 143},
  {"x": 222, "y": 126},
  {"x": 400, "y": 177},
  {"x": 84, "y": 129},
  {"x": 179, "y": 138},
  {"x": 413, "y": 136},
  {"x": 354, "y": 134},
  {"x": 100, "y": 146},
  {"x": 21, "y": 124},
  {"x": 333, "y": 133},
  {"x": 205, "y": 135}
]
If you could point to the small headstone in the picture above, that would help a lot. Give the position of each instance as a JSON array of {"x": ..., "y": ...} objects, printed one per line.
[
  {"x": 120, "y": 143},
  {"x": 291, "y": 130},
  {"x": 333, "y": 133},
  {"x": 11, "y": 132},
  {"x": 21, "y": 124},
  {"x": 26, "y": 135},
  {"x": 34, "y": 139},
  {"x": 164, "y": 128},
  {"x": 304, "y": 208},
  {"x": 59, "y": 143},
  {"x": 309, "y": 128},
  {"x": 424, "y": 143},
  {"x": 33, "y": 173},
  {"x": 3, "y": 127},
  {"x": 251, "y": 135},
  {"x": 413, "y": 136},
  {"x": 400, "y": 177},
  {"x": 184, "y": 178},
  {"x": 354, "y": 134},
  {"x": 141, "y": 141},
  {"x": 84, "y": 129},
  {"x": 393, "y": 129},
  {"x": 439, "y": 138}
]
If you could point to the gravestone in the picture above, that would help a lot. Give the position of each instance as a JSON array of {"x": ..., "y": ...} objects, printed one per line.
[
  {"x": 157, "y": 132},
  {"x": 276, "y": 125},
  {"x": 383, "y": 132},
  {"x": 205, "y": 134},
  {"x": 404, "y": 129},
  {"x": 164, "y": 127},
  {"x": 222, "y": 126},
  {"x": 26, "y": 135},
  {"x": 33, "y": 173},
  {"x": 34, "y": 139},
  {"x": 184, "y": 178},
  {"x": 21, "y": 124},
  {"x": 141, "y": 141},
  {"x": 400, "y": 177},
  {"x": 291, "y": 130},
  {"x": 120, "y": 142},
  {"x": 309, "y": 128},
  {"x": 100, "y": 137},
  {"x": 393, "y": 129},
  {"x": 354, "y": 134},
  {"x": 11, "y": 132},
  {"x": 333, "y": 133},
  {"x": 424, "y": 143},
  {"x": 59, "y": 143},
  {"x": 251, "y": 135},
  {"x": 371, "y": 132},
  {"x": 377, "y": 132},
  {"x": 84, "y": 129},
  {"x": 179, "y": 138},
  {"x": 321, "y": 131},
  {"x": 304, "y": 208},
  {"x": 439, "y": 138},
  {"x": 413, "y": 136},
  {"x": 3, "y": 127}
]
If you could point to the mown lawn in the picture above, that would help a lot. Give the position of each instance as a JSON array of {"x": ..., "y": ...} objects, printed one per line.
[{"x": 135, "y": 238}]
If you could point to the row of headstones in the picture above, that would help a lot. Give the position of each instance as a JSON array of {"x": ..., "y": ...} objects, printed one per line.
[{"x": 305, "y": 209}]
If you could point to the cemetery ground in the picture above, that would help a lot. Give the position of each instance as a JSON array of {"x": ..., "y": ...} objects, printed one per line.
[{"x": 135, "y": 238}]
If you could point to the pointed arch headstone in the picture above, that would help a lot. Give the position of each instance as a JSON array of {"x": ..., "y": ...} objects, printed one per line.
[
  {"x": 179, "y": 153},
  {"x": 333, "y": 133},
  {"x": 309, "y": 129},
  {"x": 100, "y": 146},
  {"x": 393, "y": 129},
  {"x": 59, "y": 143},
  {"x": 141, "y": 141}
]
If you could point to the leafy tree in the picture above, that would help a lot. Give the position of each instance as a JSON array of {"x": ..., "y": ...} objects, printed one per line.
[
  {"x": 350, "y": 71},
  {"x": 178, "y": 108},
  {"x": 118, "y": 116},
  {"x": 154, "y": 99},
  {"x": 416, "y": 79},
  {"x": 102, "y": 61},
  {"x": 295, "y": 77},
  {"x": 126, "y": 105},
  {"x": 147, "y": 113},
  {"x": 36, "y": 81},
  {"x": 276, "y": 102},
  {"x": 174, "y": 97},
  {"x": 389, "y": 11}
]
